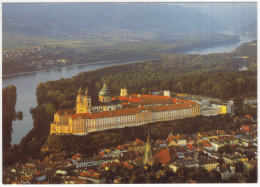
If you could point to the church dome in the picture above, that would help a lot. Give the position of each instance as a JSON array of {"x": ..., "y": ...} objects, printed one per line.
[{"x": 104, "y": 91}]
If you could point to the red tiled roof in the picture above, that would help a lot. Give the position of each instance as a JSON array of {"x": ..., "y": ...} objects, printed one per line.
[
  {"x": 245, "y": 127},
  {"x": 248, "y": 116},
  {"x": 128, "y": 166},
  {"x": 131, "y": 111},
  {"x": 78, "y": 155},
  {"x": 101, "y": 153},
  {"x": 177, "y": 100},
  {"x": 205, "y": 144},
  {"x": 129, "y": 99},
  {"x": 173, "y": 107},
  {"x": 152, "y": 99},
  {"x": 138, "y": 142},
  {"x": 85, "y": 174},
  {"x": 190, "y": 147},
  {"x": 177, "y": 137},
  {"x": 91, "y": 170},
  {"x": 47, "y": 159},
  {"x": 163, "y": 156},
  {"x": 119, "y": 147},
  {"x": 192, "y": 181},
  {"x": 125, "y": 104}
]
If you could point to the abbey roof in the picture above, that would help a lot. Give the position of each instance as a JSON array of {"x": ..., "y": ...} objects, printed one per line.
[
  {"x": 150, "y": 99},
  {"x": 131, "y": 111}
]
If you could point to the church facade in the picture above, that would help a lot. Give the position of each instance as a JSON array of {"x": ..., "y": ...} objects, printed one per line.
[{"x": 125, "y": 110}]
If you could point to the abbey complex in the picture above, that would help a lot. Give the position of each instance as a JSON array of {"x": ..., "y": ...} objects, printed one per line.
[{"x": 121, "y": 111}]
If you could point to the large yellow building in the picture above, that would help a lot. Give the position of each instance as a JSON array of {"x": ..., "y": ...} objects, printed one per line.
[{"x": 118, "y": 112}]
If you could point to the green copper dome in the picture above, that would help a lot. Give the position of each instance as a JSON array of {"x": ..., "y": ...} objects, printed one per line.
[{"x": 104, "y": 91}]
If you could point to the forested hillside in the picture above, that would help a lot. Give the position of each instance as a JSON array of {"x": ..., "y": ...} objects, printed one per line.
[{"x": 9, "y": 114}]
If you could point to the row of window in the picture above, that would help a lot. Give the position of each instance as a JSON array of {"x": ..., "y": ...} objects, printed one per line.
[{"x": 79, "y": 124}]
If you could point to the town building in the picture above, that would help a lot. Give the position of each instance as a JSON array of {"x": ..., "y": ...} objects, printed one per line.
[
  {"x": 118, "y": 112},
  {"x": 226, "y": 171},
  {"x": 148, "y": 152},
  {"x": 232, "y": 159},
  {"x": 188, "y": 163},
  {"x": 250, "y": 100},
  {"x": 215, "y": 109},
  {"x": 208, "y": 163}
]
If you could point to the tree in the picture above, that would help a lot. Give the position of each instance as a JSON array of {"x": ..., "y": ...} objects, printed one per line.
[
  {"x": 50, "y": 109},
  {"x": 238, "y": 101},
  {"x": 226, "y": 149},
  {"x": 20, "y": 115},
  {"x": 239, "y": 167},
  {"x": 9, "y": 114},
  {"x": 239, "y": 111}
]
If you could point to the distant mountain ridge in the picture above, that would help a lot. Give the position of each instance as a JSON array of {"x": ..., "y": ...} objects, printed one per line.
[
  {"x": 240, "y": 17},
  {"x": 43, "y": 18}
]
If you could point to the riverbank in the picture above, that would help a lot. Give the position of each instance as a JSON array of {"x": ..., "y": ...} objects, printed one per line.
[{"x": 77, "y": 64}]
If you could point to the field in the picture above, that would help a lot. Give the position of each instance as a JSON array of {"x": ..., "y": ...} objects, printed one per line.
[{"x": 13, "y": 41}]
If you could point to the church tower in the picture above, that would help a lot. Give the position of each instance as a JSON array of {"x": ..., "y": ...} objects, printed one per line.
[
  {"x": 123, "y": 92},
  {"x": 87, "y": 102},
  {"x": 83, "y": 102},
  {"x": 148, "y": 152},
  {"x": 79, "y": 102},
  {"x": 104, "y": 94}
]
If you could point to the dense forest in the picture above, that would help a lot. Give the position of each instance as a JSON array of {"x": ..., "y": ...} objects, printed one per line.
[
  {"x": 9, "y": 114},
  {"x": 214, "y": 75}
]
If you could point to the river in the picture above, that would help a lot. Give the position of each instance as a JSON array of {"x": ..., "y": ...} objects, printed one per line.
[
  {"x": 26, "y": 84},
  {"x": 221, "y": 48}
]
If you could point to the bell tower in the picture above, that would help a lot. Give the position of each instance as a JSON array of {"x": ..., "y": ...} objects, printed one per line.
[
  {"x": 123, "y": 92},
  {"x": 87, "y": 102},
  {"x": 148, "y": 152},
  {"x": 79, "y": 102}
]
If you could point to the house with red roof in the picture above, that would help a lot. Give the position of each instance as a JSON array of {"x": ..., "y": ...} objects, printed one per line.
[
  {"x": 163, "y": 156},
  {"x": 93, "y": 176},
  {"x": 245, "y": 128},
  {"x": 176, "y": 140},
  {"x": 205, "y": 145},
  {"x": 128, "y": 166}
]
